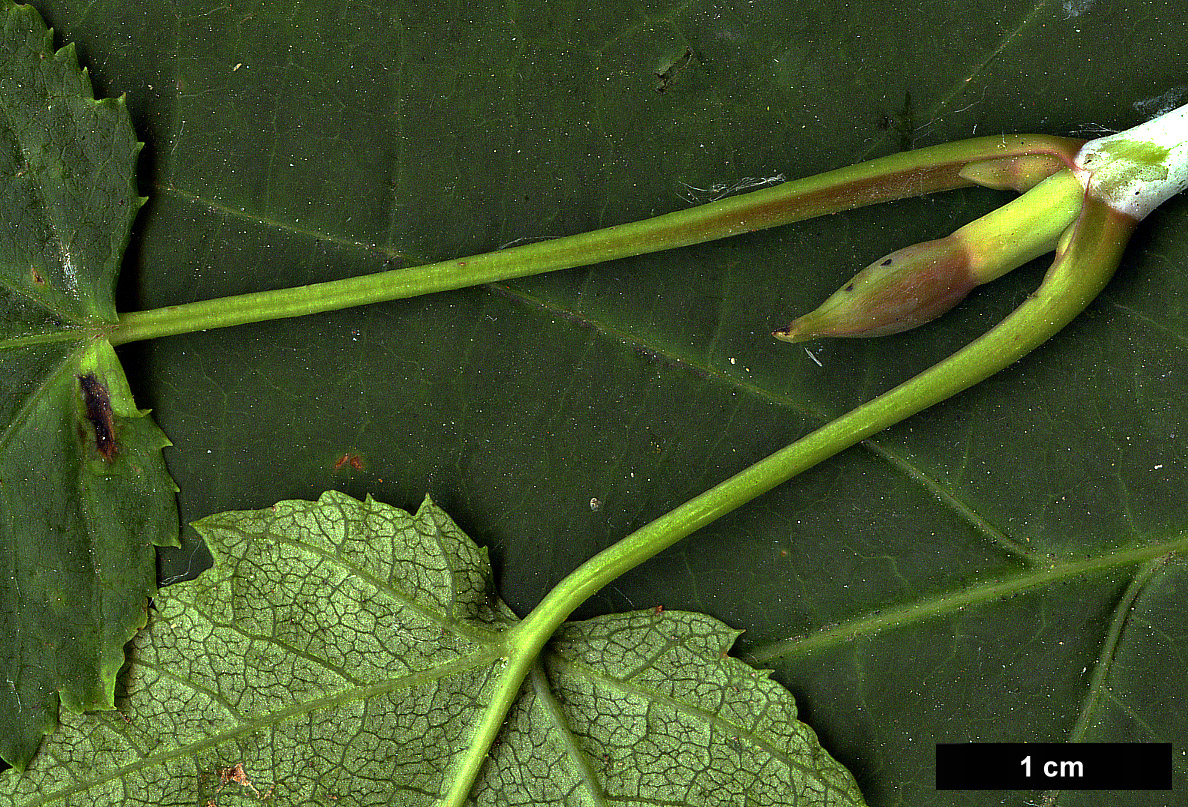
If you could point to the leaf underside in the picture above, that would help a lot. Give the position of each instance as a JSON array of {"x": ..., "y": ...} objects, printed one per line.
[
  {"x": 84, "y": 494},
  {"x": 340, "y": 650}
]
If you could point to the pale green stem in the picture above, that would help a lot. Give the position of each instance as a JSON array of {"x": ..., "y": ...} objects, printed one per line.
[
  {"x": 897, "y": 176},
  {"x": 1023, "y": 229},
  {"x": 1080, "y": 271}
]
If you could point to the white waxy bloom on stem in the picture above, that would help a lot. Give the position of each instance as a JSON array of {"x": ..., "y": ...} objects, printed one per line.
[{"x": 1137, "y": 170}]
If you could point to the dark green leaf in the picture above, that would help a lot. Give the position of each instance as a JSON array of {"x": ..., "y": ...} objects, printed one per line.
[
  {"x": 304, "y": 141},
  {"x": 339, "y": 651},
  {"x": 84, "y": 494}
]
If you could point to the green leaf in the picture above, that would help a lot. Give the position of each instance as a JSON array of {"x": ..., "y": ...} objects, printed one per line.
[
  {"x": 290, "y": 143},
  {"x": 84, "y": 494},
  {"x": 340, "y": 649}
]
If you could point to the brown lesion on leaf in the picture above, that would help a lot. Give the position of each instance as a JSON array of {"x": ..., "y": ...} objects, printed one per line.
[
  {"x": 237, "y": 775},
  {"x": 355, "y": 461},
  {"x": 37, "y": 278},
  {"x": 97, "y": 408}
]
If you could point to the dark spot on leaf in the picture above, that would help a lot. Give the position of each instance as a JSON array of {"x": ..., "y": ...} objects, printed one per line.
[
  {"x": 353, "y": 460},
  {"x": 886, "y": 262},
  {"x": 668, "y": 74},
  {"x": 37, "y": 278},
  {"x": 850, "y": 287},
  {"x": 901, "y": 122},
  {"x": 97, "y": 406},
  {"x": 649, "y": 355}
]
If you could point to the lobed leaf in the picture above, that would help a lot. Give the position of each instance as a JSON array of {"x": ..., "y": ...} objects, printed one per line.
[
  {"x": 84, "y": 494},
  {"x": 339, "y": 650}
]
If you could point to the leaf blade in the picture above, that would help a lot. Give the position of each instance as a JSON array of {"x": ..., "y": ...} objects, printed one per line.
[
  {"x": 331, "y": 669},
  {"x": 622, "y": 376},
  {"x": 84, "y": 494}
]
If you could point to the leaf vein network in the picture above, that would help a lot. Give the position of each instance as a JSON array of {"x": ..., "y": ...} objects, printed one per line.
[
  {"x": 656, "y": 698},
  {"x": 403, "y": 598},
  {"x": 247, "y": 727}
]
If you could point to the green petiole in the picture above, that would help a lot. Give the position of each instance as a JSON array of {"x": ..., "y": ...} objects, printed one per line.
[{"x": 894, "y": 177}]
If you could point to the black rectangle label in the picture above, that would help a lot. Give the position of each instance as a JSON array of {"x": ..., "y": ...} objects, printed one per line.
[{"x": 1063, "y": 766}]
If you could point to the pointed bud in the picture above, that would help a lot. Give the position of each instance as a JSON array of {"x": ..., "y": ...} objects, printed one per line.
[
  {"x": 919, "y": 283},
  {"x": 900, "y": 291}
]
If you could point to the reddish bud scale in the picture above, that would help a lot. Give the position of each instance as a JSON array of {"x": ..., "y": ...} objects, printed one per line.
[{"x": 901, "y": 291}]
